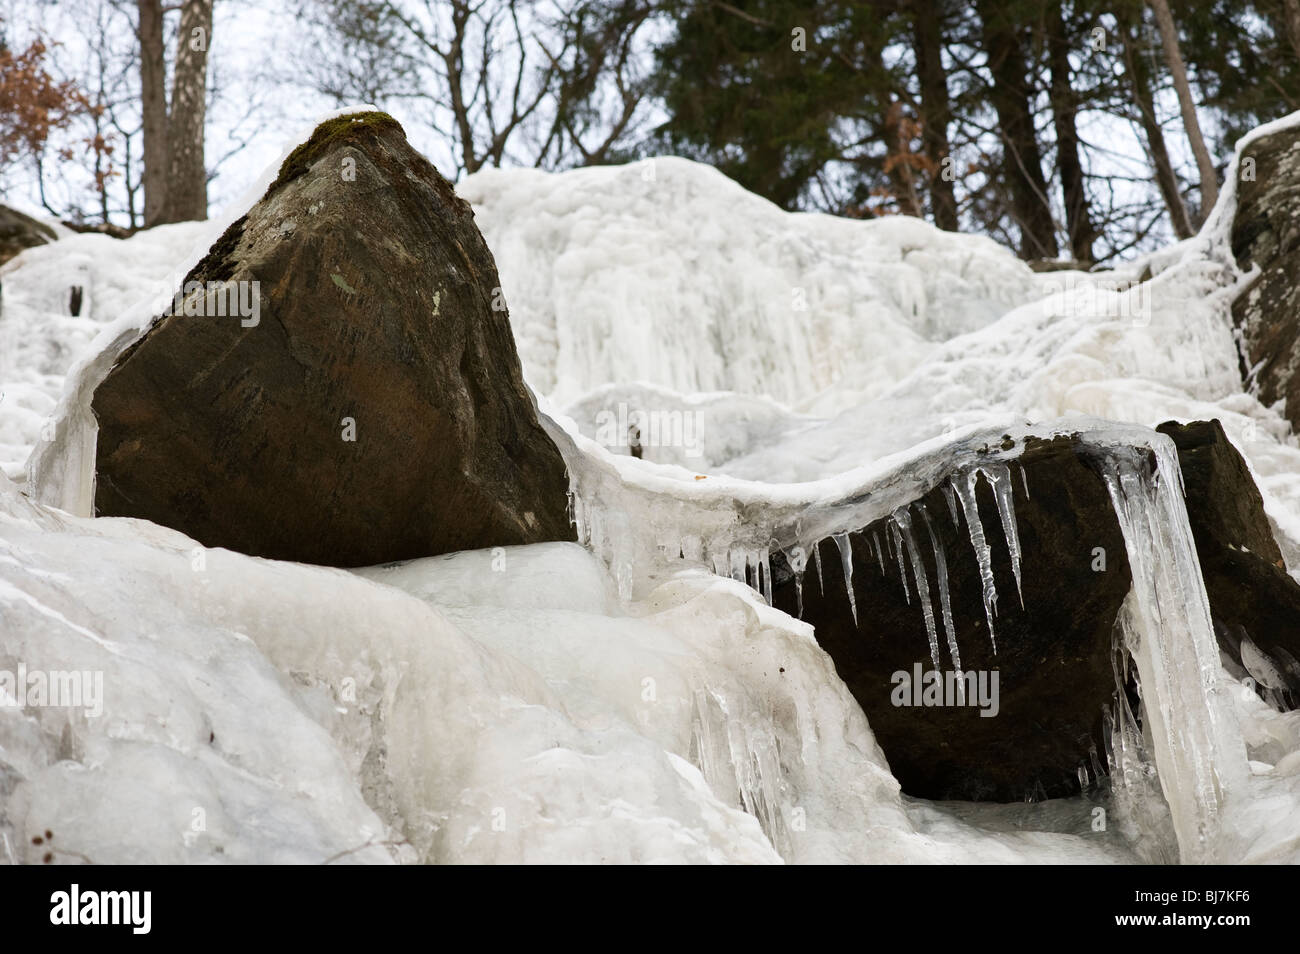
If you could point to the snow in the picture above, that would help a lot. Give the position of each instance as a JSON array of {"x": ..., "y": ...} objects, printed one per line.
[{"x": 784, "y": 379}]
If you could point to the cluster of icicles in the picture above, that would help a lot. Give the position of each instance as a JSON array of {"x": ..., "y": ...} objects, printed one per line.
[
  {"x": 902, "y": 545},
  {"x": 640, "y": 529},
  {"x": 607, "y": 531}
]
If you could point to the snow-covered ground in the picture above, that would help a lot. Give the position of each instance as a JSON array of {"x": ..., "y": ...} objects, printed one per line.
[{"x": 556, "y": 703}]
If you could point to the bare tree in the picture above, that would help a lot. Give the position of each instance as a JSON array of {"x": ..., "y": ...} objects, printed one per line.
[
  {"x": 539, "y": 82},
  {"x": 153, "y": 102},
  {"x": 175, "y": 178},
  {"x": 1022, "y": 165},
  {"x": 936, "y": 107},
  {"x": 1144, "y": 104},
  {"x": 1074, "y": 193},
  {"x": 187, "y": 178},
  {"x": 1174, "y": 59}
]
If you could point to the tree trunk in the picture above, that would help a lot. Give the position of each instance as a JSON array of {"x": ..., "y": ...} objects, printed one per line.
[
  {"x": 1291, "y": 13},
  {"x": 1174, "y": 57},
  {"x": 1078, "y": 219},
  {"x": 1140, "y": 81},
  {"x": 153, "y": 103},
  {"x": 187, "y": 176},
  {"x": 936, "y": 109},
  {"x": 1021, "y": 161}
]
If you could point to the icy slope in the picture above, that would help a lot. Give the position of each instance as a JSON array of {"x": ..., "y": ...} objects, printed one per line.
[
  {"x": 40, "y": 339},
  {"x": 667, "y": 272},
  {"x": 490, "y": 715}
]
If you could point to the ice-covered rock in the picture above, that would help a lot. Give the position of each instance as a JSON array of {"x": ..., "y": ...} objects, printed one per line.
[
  {"x": 1264, "y": 240},
  {"x": 491, "y": 706}
]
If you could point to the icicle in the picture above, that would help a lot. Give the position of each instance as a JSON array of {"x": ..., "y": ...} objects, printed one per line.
[
  {"x": 875, "y": 542},
  {"x": 1138, "y": 803},
  {"x": 951, "y": 497},
  {"x": 765, "y": 571},
  {"x": 1024, "y": 480},
  {"x": 846, "y": 560},
  {"x": 897, "y": 540},
  {"x": 903, "y": 518},
  {"x": 739, "y": 565},
  {"x": 999, "y": 475},
  {"x": 720, "y": 565},
  {"x": 574, "y": 510},
  {"x": 964, "y": 484},
  {"x": 817, "y": 560},
  {"x": 1168, "y": 630},
  {"x": 1096, "y": 761},
  {"x": 945, "y": 604}
]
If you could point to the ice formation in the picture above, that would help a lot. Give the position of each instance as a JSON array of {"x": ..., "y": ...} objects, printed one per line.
[
  {"x": 666, "y": 272},
  {"x": 637, "y": 699}
]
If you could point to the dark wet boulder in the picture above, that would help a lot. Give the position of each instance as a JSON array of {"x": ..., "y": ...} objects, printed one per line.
[
  {"x": 19, "y": 231},
  {"x": 337, "y": 381},
  {"x": 1253, "y": 600},
  {"x": 1053, "y": 662},
  {"x": 1266, "y": 234}
]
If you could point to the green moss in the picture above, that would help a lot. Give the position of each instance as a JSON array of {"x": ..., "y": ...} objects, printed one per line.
[
  {"x": 331, "y": 133},
  {"x": 219, "y": 265}
]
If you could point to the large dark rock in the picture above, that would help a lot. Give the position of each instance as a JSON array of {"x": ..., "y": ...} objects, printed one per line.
[
  {"x": 379, "y": 318},
  {"x": 19, "y": 231},
  {"x": 1251, "y": 594},
  {"x": 1266, "y": 233},
  {"x": 1053, "y": 657}
]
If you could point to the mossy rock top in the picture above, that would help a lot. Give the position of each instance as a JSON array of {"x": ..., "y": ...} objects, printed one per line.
[{"x": 341, "y": 130}]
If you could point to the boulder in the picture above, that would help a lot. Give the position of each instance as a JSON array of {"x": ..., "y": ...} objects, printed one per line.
[
  {"x": 19, "y": 231},
  {"x": 1266, "y": 234},
  {"x": 337, "y": 381}
]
